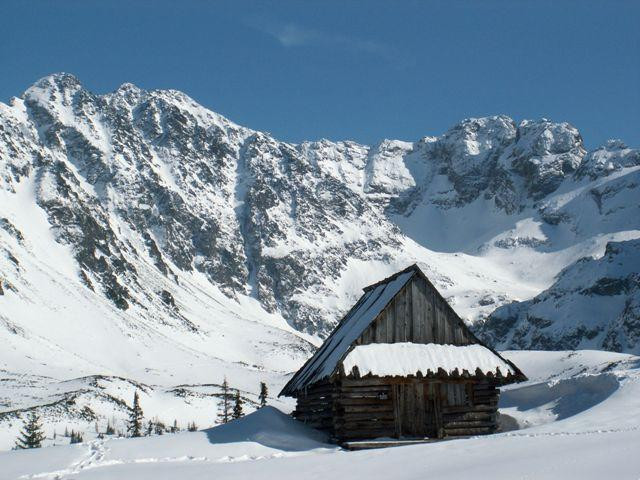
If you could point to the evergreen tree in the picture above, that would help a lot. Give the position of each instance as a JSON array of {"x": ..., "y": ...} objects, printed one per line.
[
  {"x": 110, "y": 430},
  {"x": 134, "y": 428},
  {"x": 224, "y": 408},
  {"x": 31, "y": 435},
  {"x": 263, "y": 394},
  {"x": 159, "y": 427},
  {"x": 149, "y": 428},
  {"x": 237, "y": 406},
  {"x": 76, "y": 437},
  {"x": 192, "y": 427}
]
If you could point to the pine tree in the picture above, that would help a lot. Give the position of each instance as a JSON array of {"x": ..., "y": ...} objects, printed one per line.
[
  {"x": 237, "y": 406},
  {"x": 134, "y": 428},
  {"x": 159, "y": 427},
  {"x": 110, "y": 430},
  {"x": 192, "y": 427},
  {"x": 76, "y": 437},
  {"x": 263, "y": 394},
  {"x": 224, "y": 408},
  {"x": 31, "y": 435},
  {"x": 149, "y": 428}
]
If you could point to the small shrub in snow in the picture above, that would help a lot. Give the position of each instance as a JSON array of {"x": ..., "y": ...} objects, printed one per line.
[
  {"x": 159, "y": 428},
  {"x": 110, "y": 430},
  {"x": 76, "y": 437}
]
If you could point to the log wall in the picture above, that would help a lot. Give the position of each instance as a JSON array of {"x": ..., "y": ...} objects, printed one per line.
[
  {"x": 315, "y": 406},
  {"x": 357, "y": 409},
  {"x": 476, "y": 415},
  {"x": 364, "y": 409}
]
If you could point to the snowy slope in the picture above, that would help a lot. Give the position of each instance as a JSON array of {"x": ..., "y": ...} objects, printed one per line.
[
  {"x": 594, "y": 303},
  {"x": 597, "y": 437}
]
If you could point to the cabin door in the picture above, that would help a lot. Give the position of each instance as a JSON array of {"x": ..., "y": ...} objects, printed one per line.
[{"x": 414, "y": 406}]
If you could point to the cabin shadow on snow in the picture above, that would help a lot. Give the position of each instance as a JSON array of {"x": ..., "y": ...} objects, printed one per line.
[
  {"x": 271, "y": 428},
  {"x": 569, "y": 397}
]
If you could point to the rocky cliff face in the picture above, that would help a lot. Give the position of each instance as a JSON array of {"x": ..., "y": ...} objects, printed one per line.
[
  {"x": 145, "y": 187},
  {"x": 197, "y": 192}
]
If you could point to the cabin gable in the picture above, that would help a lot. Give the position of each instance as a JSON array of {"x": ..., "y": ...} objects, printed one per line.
[{"x": 417, "y": 314}]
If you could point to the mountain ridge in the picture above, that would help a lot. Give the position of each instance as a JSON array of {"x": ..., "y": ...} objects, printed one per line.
[{"x": 151, "y": 174}]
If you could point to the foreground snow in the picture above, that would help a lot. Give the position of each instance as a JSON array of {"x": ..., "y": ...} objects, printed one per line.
[
  {"x": 595, "y": 455},
  {"x": 581, "y": 408}
]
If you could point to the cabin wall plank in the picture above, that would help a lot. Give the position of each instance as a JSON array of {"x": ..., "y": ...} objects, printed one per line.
[
  {"x": 398, "y": 318},
  {"x": 390, "y": 312}
]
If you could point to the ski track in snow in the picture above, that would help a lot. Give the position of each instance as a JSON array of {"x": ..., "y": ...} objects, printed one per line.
[
  {"x": 95, "y": 454},
  {"x": 97, "y": 450}
]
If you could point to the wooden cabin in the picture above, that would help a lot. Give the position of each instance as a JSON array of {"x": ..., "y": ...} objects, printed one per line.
[{"x": 403, "y": 364}]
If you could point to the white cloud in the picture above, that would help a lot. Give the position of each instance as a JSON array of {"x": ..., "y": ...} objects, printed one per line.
[{"x": 292, "y": 35}]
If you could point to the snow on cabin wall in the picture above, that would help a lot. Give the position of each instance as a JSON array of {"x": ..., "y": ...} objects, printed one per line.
[{"x": 417, "y": 314}]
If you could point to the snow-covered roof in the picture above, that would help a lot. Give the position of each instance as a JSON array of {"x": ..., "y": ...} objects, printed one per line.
[
  {"x": 404, "y": 359},
  {"x": 326, "y": 359}
]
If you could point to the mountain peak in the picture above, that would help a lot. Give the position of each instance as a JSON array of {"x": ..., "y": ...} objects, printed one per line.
[
  {"x": 57, "y": 81},
  {"x": 128, "y": 87}
]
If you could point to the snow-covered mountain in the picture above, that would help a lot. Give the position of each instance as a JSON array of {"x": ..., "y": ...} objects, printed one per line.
[
  {"x": 143, "y": 236},
  {"x": 594, "y": 303}
]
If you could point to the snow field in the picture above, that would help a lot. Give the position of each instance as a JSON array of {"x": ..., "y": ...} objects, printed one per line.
[{"x": 595, "y": 439}]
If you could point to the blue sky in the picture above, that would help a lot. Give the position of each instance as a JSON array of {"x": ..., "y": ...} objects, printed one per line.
[{"x": 348, "y": 69}]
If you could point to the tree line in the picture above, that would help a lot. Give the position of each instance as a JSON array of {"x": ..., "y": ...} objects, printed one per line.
[{"x": 230, "y": 407}]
